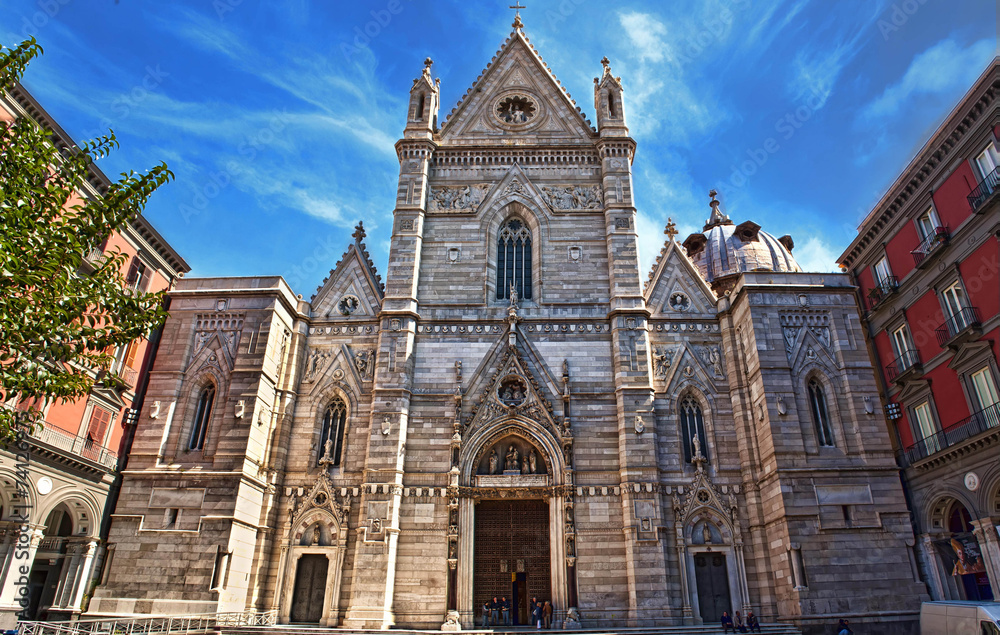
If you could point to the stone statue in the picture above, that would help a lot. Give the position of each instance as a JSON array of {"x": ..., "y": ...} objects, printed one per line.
[
  {"x": 328, "y": 450},
  {"x": 706, "y": 533},
  {"x": 494, "y": 462},
  {"x": 315, "y": 536},
  {"x": 511, "y": 462},
  {"x": 524, "y": 464},
  {"x": 713, "y": 357},
  {"x": 532, "y": 463}
]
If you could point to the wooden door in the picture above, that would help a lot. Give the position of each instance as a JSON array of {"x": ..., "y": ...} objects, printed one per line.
[{"x": 310, "y": 588}]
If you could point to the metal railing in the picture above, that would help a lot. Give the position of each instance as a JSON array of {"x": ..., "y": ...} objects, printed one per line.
[
  {"x": 128, "y": 374},
  {"x": 985, "y": 188},
  {"x": 82, "y": 446},
  {"x": 906, "y": 361},
  {"x": 883, "y": 289},
  {"x": 148, "y": 625},
  {"x": 977, "y": 423},
  {"x": 94, "y": 256},
  {"x": 931, "y": 242},
  {"x": 967, "y": 317}
]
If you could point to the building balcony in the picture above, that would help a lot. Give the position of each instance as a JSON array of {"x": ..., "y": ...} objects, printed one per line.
[
  {"x": 974, "y": 425},
  {"x": 882, "y": 290},
  {"x": 984, "y": 191},
  {"x": 959, "y": 328},
  {"x": 79, "y": 446},
  {"x": 128, "y": 375},
  {"x": 905, "y": 366},
  {"x": 932, "y": 244}
]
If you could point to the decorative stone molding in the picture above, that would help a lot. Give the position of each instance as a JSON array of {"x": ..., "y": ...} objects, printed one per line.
[{"x": 352, "y": 329}]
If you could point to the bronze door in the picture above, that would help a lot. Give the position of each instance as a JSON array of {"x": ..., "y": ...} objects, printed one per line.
[
  {"x": 713, "y": 586},
  {"x": 511, "y": 555},
  {"x": 310, "y": 588}
]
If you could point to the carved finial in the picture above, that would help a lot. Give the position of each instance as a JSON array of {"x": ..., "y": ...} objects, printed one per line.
[
  {"x": 428, "y": 62},
  {"x": 606, "y": 63},
  {"x": 359, "y": 232},
  {"x": 671, "y": 229},
  {"x": 517, "y": 6}
]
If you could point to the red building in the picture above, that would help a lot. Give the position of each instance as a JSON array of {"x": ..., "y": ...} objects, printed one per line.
[
  {"x": 926, "y": 264},
  {"x": 74, "y": 459}
]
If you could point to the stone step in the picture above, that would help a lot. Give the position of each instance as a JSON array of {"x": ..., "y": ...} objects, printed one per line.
[{"x": 298, "y": 629}]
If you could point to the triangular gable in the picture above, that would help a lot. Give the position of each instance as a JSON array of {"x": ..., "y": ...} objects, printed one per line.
[
  {"x": 354, "y": 276},
  {"x": 687, "y": 368},
  {"x": 809, "y": 349},
  {"x": 674, "y": 274},
  {"x": 212, "y": 349},
  {"x": 517, "y": 68},
  {"x": 515, "y": 186}
]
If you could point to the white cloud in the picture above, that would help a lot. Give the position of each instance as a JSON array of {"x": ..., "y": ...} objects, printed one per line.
[
  {"x": 816, "y": 256},
  {"x": 646, "y": 34},
  {"x": 943, "y": 68},
  {"x": 818, "y": 66}
]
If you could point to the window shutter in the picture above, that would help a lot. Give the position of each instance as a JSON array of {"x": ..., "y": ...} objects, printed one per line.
[
  {"x": 133, "y": 272},
  {"x": 133, "y": 349},
  {"x": 99, "y": 420}
]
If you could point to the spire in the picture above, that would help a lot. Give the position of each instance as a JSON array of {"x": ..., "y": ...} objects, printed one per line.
[{"x": 717, "y": 217}]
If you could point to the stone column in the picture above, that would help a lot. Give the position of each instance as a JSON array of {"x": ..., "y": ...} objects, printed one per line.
[
  {"x": 70, "y": 562},
  {"x": 682, "y": 566},
  {"x": 23, "y": 546},
  {"x": 83, "y": 571},
  {"x": 989, "y": 546},
  {"x": 929, "y": 560}
]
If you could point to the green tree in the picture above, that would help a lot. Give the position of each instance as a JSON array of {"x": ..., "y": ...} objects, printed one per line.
[{"x": 61, "y": 314}]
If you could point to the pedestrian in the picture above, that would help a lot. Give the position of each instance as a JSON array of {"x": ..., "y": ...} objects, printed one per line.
[
  {"x": 752, "y": 622},
  {"x": 738, "y": 625},
  {"x": 844, "y": 627},
  {"x": 536, "y": 615},
  {"x": 505, "y": 610},
  {"x": 547, "y": 614},
  {"x": 727, "y": 622},
  {"x": 486, "y": 613},
  {"x": 495, "y": 611}
]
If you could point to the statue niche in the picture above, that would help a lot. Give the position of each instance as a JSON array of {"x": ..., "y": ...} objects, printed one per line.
[{"x": 512, "y": 455}]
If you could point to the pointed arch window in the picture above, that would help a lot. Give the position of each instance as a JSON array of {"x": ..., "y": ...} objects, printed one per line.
[
  {"x": 514, "y": 259},
  {"x": 334, "y": 423},
  {"x": 202, "y": 414},
  {"x": 820, "y": 413},
  {"x": 692, "y": 425}
]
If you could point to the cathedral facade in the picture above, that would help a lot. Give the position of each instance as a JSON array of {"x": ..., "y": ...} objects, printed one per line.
[{"x": 514, "y": 413}]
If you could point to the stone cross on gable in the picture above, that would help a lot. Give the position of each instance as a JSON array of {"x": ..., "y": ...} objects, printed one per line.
[{"x": 517, "y": 6}]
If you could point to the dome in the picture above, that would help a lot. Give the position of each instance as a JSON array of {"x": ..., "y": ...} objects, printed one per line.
[{"x": 723, "y": 249}]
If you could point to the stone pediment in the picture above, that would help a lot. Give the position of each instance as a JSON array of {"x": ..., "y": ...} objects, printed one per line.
[
  {"x": 516, "y": 95},
  {"x": 353, "y": 289},
  {"x": 675, "y": 288},
  {"x": 511, "y": 391}
]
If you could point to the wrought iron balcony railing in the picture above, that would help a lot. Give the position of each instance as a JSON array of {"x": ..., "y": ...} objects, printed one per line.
[
  {"x": 930, "y": 244},
  {"x": 907, "y": 361},
  {"x": 957, "y": 324},
  {"x": 81, "y": 446},
  {"x": 971, "y": 426},
  {"x": 882, "y": 290},
  {"x": 984, "y": 190}
]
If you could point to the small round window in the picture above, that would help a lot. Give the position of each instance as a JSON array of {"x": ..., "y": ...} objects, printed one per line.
[{"x": 515, "y": 109}]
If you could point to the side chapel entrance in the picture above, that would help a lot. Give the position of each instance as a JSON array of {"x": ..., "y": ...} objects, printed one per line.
[
  {"x": 310, "y": 588},
  {"x": 511, "y": 555},
  {"x": 712, "y": 577}
]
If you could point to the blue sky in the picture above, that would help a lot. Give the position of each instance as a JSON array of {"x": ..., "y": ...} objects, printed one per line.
[{"x": 279, "y": 117}]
